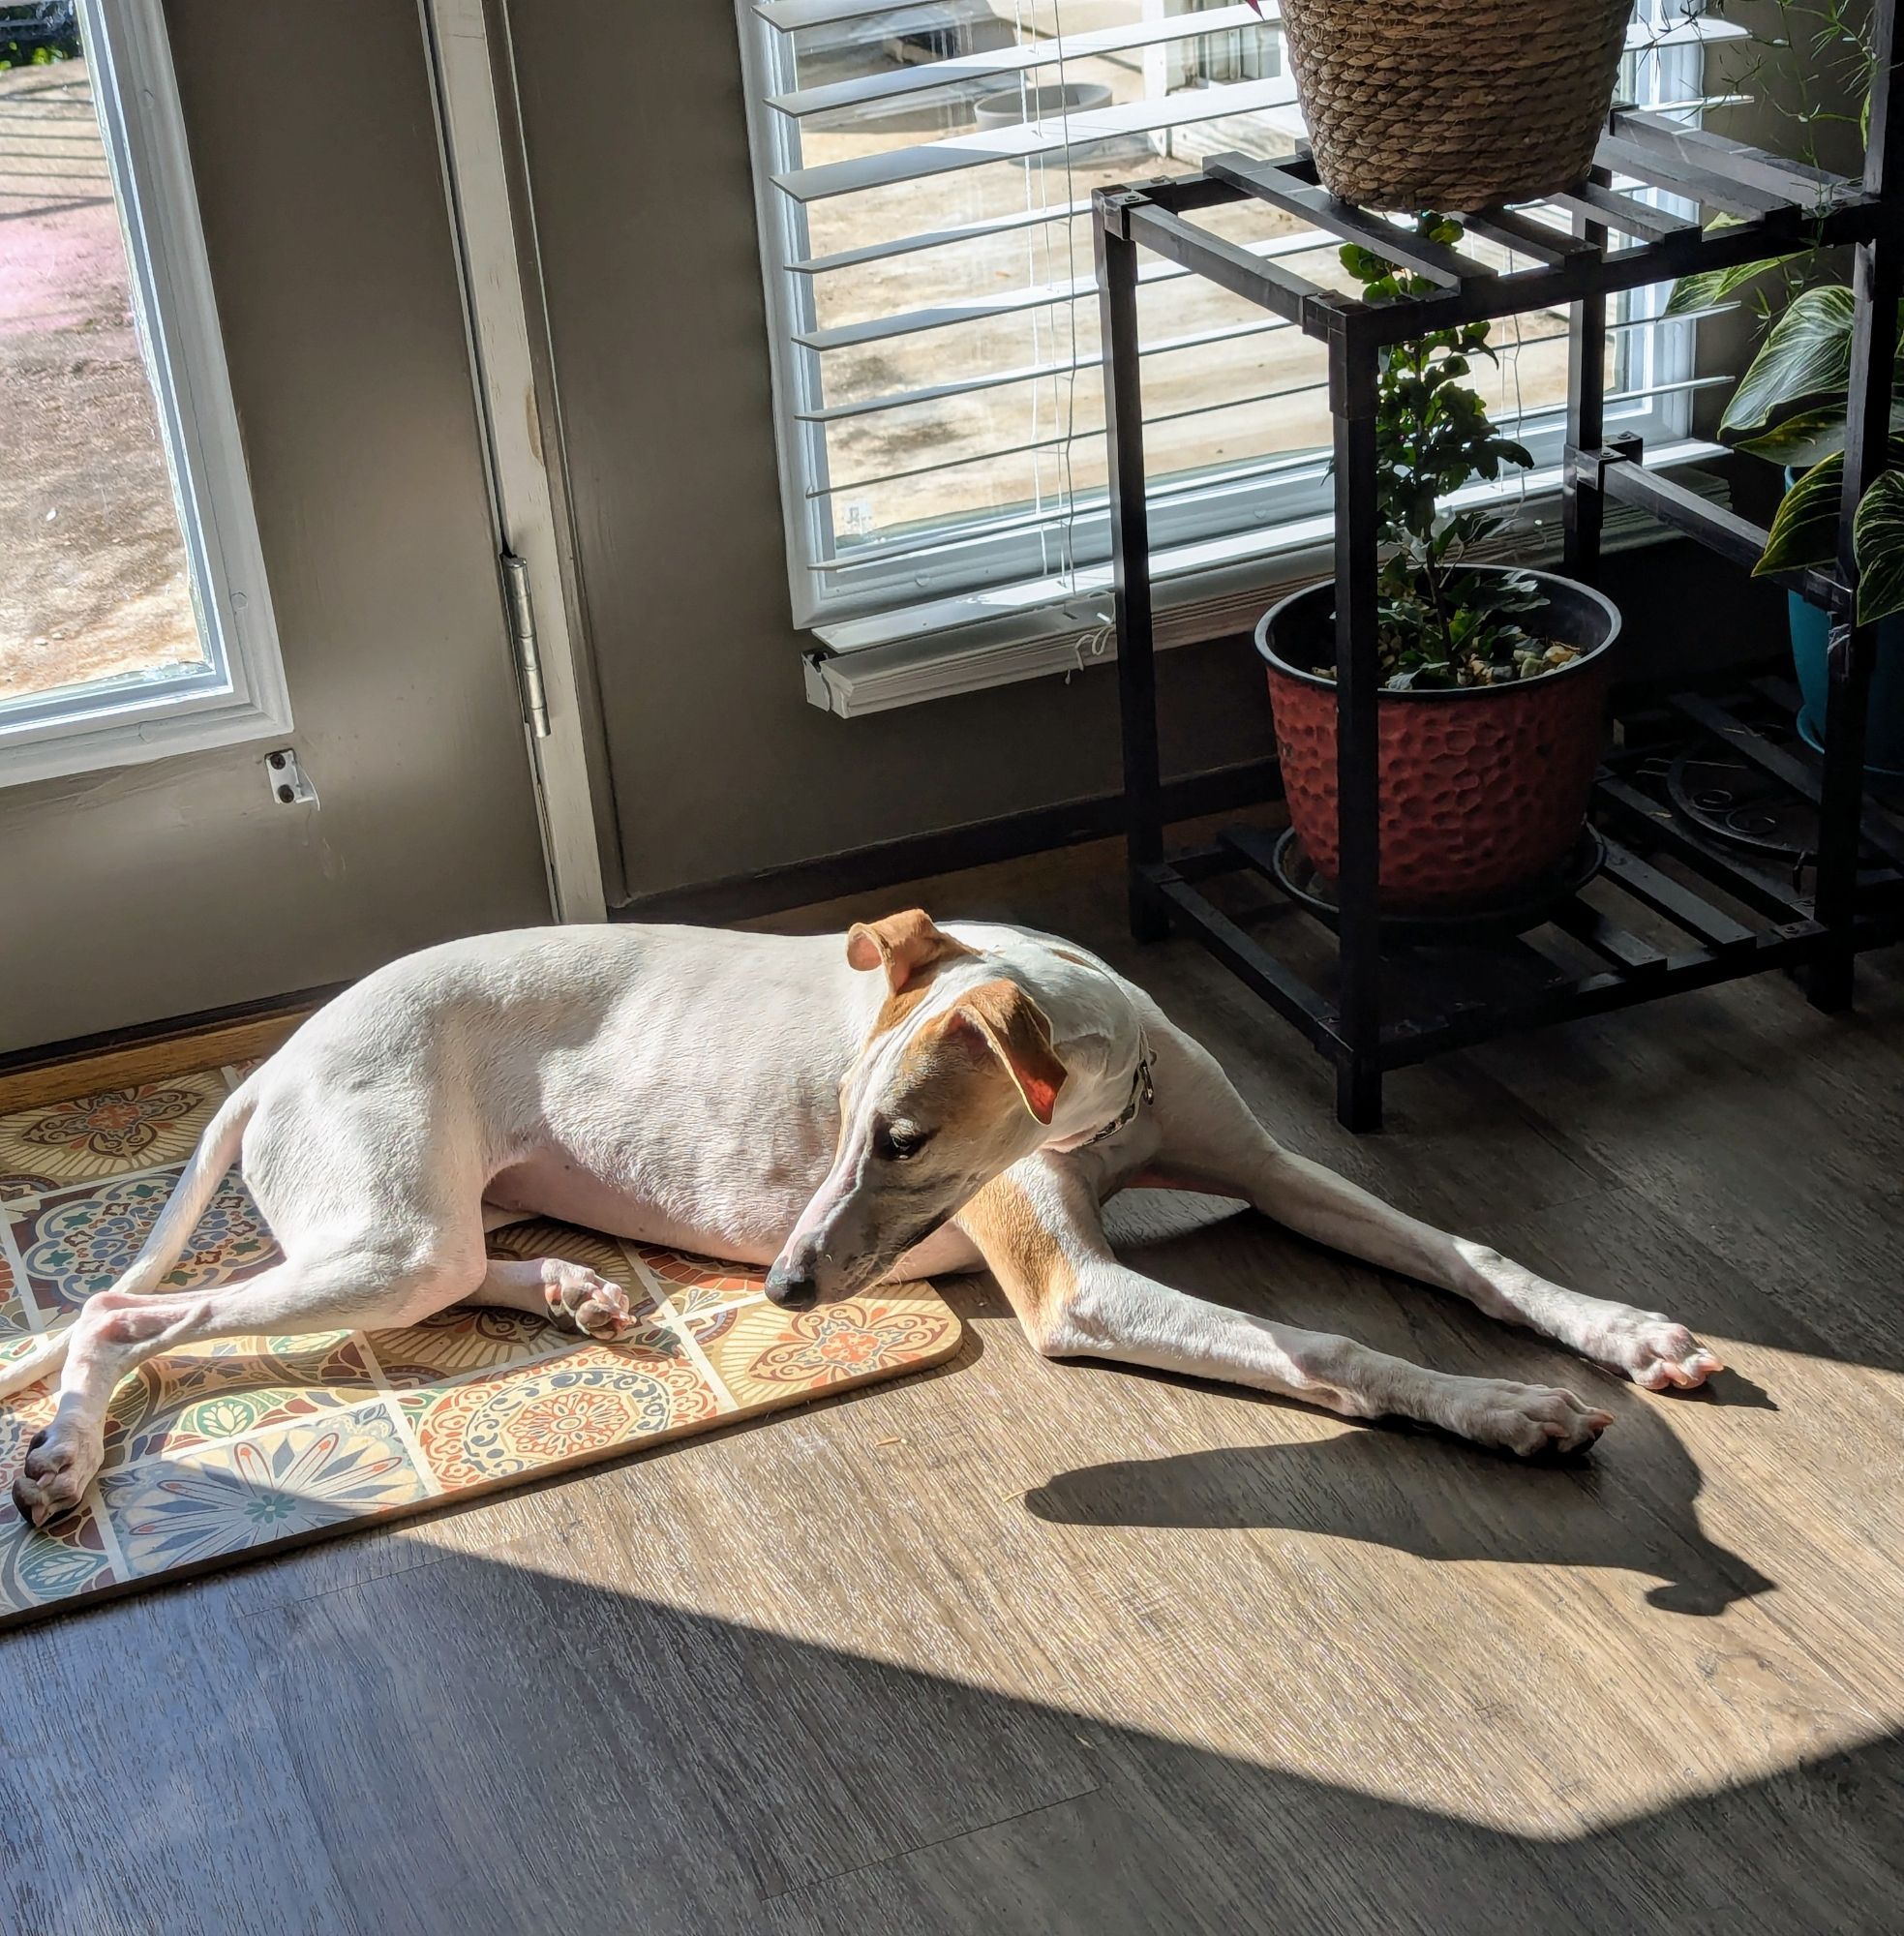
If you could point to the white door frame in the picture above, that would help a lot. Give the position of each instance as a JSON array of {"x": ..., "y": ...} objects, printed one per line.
[{"x": 556, "y": 724}]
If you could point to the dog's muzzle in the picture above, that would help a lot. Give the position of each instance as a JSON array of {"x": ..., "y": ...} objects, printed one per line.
[{"x": 791, "y": 1290}]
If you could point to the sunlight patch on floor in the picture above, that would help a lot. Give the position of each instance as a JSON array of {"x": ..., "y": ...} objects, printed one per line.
[{"x": 1538, "y": 1650}]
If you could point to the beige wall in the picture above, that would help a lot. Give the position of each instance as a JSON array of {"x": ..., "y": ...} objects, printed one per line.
[{"x": 179, "y": 885}]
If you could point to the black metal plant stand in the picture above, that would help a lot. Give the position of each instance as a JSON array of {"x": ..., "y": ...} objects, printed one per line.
[{"x": 1379, "y": 1007}]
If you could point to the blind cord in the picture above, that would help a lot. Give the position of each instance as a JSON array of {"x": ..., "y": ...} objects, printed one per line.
[
  {"x": 1097, "y": 640},
  {"x": 1066, "y": 527}
]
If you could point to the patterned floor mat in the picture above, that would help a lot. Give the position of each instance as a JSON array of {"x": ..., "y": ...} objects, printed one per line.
[{"x": 225, "y": 1450}]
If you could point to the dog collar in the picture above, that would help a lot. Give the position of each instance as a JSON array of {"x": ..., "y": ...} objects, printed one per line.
[{"x": 1142, "y": 1090}]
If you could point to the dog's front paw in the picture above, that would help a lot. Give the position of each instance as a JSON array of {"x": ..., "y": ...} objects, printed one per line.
[
  {"x": 1653, "y": 1351},
  {"x": 54, "y": 1478},
  {"x": 586, "y": 1302},
  {"x": 1526, "y": 1419}
]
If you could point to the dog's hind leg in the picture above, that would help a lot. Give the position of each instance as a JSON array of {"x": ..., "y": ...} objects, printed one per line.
[
  {"x": 354, "y": 1288},
  {"x": 564, "y": 1292},
  {"x": 1208, "y": 1140},
  {"x": 1038, "y": 1229}
]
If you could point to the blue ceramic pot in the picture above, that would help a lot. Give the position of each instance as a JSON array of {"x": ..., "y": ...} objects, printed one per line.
[
  {"x": 1883, "y": 724},
  {"x": 1884, "y": 731}
]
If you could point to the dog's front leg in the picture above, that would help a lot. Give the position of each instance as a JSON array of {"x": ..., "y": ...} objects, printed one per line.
[
  {"x": 1038, "y": 1228},
  {"x": 568, "y": 1293},
  {"x": 1208, "y": 1139}
]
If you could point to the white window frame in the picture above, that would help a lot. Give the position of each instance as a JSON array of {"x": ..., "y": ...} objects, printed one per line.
[
  {"x": 1261, "y": 515},
  {"x": 240, "y": 694}
]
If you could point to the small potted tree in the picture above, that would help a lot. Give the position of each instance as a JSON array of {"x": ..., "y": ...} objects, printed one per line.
[{"x": 1492, "y": 712}]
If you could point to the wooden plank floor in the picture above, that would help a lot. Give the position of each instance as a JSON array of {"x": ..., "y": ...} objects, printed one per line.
[{"x": 1023, "y": 1647}]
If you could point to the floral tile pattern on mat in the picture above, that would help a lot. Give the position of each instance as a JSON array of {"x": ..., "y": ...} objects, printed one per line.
[
  {"x": 75, "y": 1242},
  {"x": 770, "y": 1352},
  {"x": 212, "y": 1392},
  {"x": 224, "y": 1495},
  {"x": 63, "y": 1562},
  {"x": 107, "y": 1133},
  {"x": 14, "y": 1320},
  {"x": 595, "y": 1399},
  {"x": 703, "y": 1297},
  {"x": 461, "y": 1341},
  {"x": 691, "y": 1282},
  {"x": 219, "y": 1449}
]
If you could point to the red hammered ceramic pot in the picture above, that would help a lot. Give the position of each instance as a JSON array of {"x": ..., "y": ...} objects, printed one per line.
[{"x": 1483, "y": 788}]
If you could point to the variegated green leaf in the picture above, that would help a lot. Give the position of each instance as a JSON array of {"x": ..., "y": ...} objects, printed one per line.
[
  {"x": 1804, "y": 364},
  {"x": 1802, "y": 442},
  {"x": 1711, "y": 286},
  {"x": 1811, "y": 436},
  {"x": 1806, "y": 530},
  {"x": 1877, "y": 535}
]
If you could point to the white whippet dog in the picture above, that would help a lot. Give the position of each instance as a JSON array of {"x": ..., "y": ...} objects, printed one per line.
[{"x": 917, "y": 1101}]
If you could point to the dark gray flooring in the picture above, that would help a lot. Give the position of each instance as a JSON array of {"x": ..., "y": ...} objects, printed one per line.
[{"x": 1019, "y": 1647}]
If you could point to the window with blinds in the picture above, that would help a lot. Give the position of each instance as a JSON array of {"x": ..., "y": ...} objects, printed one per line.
[{"x": 924, "y": 174}]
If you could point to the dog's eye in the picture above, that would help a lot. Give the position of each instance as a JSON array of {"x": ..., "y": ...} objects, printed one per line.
[{"x": 894, "y": 1142}]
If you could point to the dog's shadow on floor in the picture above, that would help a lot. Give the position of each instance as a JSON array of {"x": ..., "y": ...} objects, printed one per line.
[
  {"x": 1419, "y": 1493},
  {"x": 1630, "y": 1506}
]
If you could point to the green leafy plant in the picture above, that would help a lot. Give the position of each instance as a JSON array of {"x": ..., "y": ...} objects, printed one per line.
[
  {"x": 1791, "y": 405},
  {"x": 36, "y": 33},
  {"x": 1438, "y": 625},
  {"x": 12, "y": 55}
]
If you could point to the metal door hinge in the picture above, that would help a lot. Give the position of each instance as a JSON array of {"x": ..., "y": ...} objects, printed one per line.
[{"x": 522, "y": 635}]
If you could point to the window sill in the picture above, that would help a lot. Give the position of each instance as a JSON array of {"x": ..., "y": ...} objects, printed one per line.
[
  {"x": 1203, "y": 591},
  {"x": 132, "y": 732}
]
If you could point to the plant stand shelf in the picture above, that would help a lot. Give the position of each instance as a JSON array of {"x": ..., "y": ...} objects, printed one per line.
[{"x": 1676, "y": 904}]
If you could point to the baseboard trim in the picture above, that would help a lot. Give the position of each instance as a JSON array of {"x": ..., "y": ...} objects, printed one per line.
[{"x": 974, "y": 844}]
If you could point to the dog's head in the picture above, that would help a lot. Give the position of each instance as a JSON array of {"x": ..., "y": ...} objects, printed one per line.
[{"x": 958, "y": 1080}]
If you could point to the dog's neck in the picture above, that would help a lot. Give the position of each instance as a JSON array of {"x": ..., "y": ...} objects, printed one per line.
[
  {"x": 1141, "y": 1090},
  {"x": 1094, "y": 1028}
]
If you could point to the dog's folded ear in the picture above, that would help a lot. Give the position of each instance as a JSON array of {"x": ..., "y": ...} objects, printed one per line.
[
  {"x": 1018, "y": 1031},
  {"x": 905, "y": 944}
]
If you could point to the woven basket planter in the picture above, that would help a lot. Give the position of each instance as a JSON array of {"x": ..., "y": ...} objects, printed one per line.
[{"x": 1453, "y": 105}]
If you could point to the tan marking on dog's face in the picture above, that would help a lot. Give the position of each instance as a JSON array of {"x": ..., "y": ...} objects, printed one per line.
[
  {"x": 912, "y": 949},
  {"x": 927, "y": 1118},
  {"x": 971, "y": 1090},
  {"x": 897, "y": 1007}
]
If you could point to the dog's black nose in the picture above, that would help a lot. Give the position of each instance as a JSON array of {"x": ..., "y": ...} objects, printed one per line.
[{"x": 790, "y": 1290}]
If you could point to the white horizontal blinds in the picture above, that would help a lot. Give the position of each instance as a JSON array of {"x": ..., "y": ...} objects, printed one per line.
[
  {"x": 932, "y": 165},
  {"x": 999, "y": 64},
  {"x": 925, "y": 172}
]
